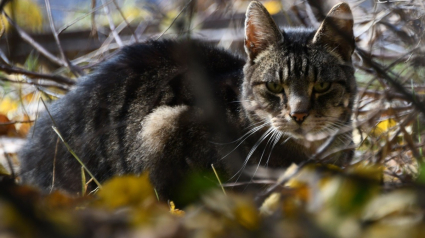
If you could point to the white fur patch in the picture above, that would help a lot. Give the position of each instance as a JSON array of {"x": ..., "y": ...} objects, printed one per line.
[{"x": 159, "y": 126}]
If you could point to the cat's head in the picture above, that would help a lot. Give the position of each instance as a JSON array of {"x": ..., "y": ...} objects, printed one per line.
[{"x": 300, "y": 81}]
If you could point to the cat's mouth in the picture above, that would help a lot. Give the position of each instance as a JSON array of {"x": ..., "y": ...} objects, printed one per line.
[
  {"x": 302, "y": 134},
  {"x": 299, "y": 134}
]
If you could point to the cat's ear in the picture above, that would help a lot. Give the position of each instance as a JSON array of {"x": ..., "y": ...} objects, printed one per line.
[
  {"x": 336, "y": 32},
  {"x": 260, "y": 30}
]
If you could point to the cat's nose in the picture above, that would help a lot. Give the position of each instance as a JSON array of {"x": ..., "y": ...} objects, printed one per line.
[{"x": 299, "y": 116}]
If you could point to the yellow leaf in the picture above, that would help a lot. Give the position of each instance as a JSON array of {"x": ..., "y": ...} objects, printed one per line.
[
  {"x": 369, "y": 171},
  {"x": 246, "y": 214},
  {"x": 8, "y": 105},
  {"x": 236, "y": 208},
  {"x": 3, "y": 170},
  {"x": 30, "y": 14},
  {"x": 30, "y": 97},
  {"x": 384, "y": 126},
  {"x": 6, "y": 128},
  {"x": 270, "y": 205},
  {"x": 127, "y": 190},
  {"x": 24, "y": 128},
  {"x": 175, "y": 211},
  {"x": 273, "y": 7}
]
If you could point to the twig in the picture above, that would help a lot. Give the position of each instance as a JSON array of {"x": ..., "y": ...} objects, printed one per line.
[
  {"x": 254, "y": 181},
  {"x": 395, "y": 135},
  {"x": 126, "y": 22},
  {"x": 110, "y": 38},
  {"x": 33, "y": 83},
  {"x": 3, "y": 3},
  {"x": 93, "y": 18},
  {"x": 75, "y": 70},
  {"x": 55, "y": 128},
  {"x": 15, "y": 122},
  {"x": 218, "y": 178},
  {"x": 283, "y": 181},
  {"x": 9, "y": 162},
  {"x": 111, "y": 24},
  {"x": 174, "y": 20},
  {"x": 62, "y": 29},
  {"x": 54, "y": 165},
  {"x": 394, "y": 83},
  {"x": 27, "y": 38},
  {"x": 16, "y": 70}
]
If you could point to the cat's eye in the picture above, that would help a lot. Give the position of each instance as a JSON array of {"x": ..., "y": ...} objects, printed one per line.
[
  {"x": 322, "y": 87},
  {"x": 274, "y": 87}
]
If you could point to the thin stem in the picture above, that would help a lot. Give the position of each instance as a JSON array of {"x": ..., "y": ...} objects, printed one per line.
[
  {"x": 111, "y": 24},
  {"x": 27, "y": 38},
  {"x": 77, "y": 72},
  {"x": 56, "y": 78}
]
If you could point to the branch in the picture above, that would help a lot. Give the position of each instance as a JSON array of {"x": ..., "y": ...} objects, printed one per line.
[
  {"x": 76, "y": 71},
  {"x": 3, "y": 4},
  {"x": 393, "y": 82},
  {"x": 125, "y": 20},
  {"x": 55, "y": 78},
  {"x": 93, "y": 10},
  {"x": 36, "y": 84},
  {"x": 174, "y": 20},
  {"x": 15, "y": 122},
  {"x": 27, "y": 38},
  {"x": 111, "y": 24}
]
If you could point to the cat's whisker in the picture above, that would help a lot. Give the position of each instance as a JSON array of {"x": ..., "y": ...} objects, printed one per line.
[
  {"x": 244, "y": 137},
  {"x": 246, "y": 134},
  {"x": 254, "y": 124},
  {"x": 274, "y": 134},
  {"x": 240, "y": 101},
  {"x": 277, "y": 138},
  {"x": 251, "y": 152}
]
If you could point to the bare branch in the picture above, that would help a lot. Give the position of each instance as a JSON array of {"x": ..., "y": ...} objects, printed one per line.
[
  {"x": 93, "y": 10},
  {"x": 111, "y": 24},
  {"x": 75, "y": 70},
  {"x": 126, "y": 22},
  {"x": 174, "y": 20},
  {"x": 394, "y": 83},
  {"x": 27, "y": 38},
  {"x": 30, "y": 74},
  {"x": 33, "y": 83},
  {"x": 15, "y": 122}
]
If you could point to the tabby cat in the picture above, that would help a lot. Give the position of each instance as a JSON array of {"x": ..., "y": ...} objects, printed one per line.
[{"x": 172, "y": 107}]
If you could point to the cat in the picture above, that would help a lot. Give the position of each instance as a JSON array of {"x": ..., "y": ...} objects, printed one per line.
[{"x": 170, "y": 107}]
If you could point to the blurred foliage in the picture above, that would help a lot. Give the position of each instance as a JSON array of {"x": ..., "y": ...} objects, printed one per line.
[
  {"x": 318, "y": 202},
  {"x": 28, "y": 15}
]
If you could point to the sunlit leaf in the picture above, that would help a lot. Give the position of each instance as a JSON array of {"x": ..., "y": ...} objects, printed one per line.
[
  {"x": 271, "y": 204},
  {"x": 235, "y": 207},
  {"x": 125, "y": 191},
  {"x": 398, "y": 205},
  {"x": 175, "y": 211},
  {"x": 3, "y": 170},
  {"x": 28, "y": 12},
  {"x": 24, "y": 128},
  {"x": 5, "y": 127},
  {"x": 246, "y": 214},
  {"x": 8, "y": 105},
  {"x": 384, "y": 126},
  {"x": 273, "y": 7},
  {"x": 374, "y": 172}
]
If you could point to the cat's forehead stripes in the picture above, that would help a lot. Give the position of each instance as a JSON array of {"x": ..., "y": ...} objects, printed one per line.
[{"x": 297, "y": 65}]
